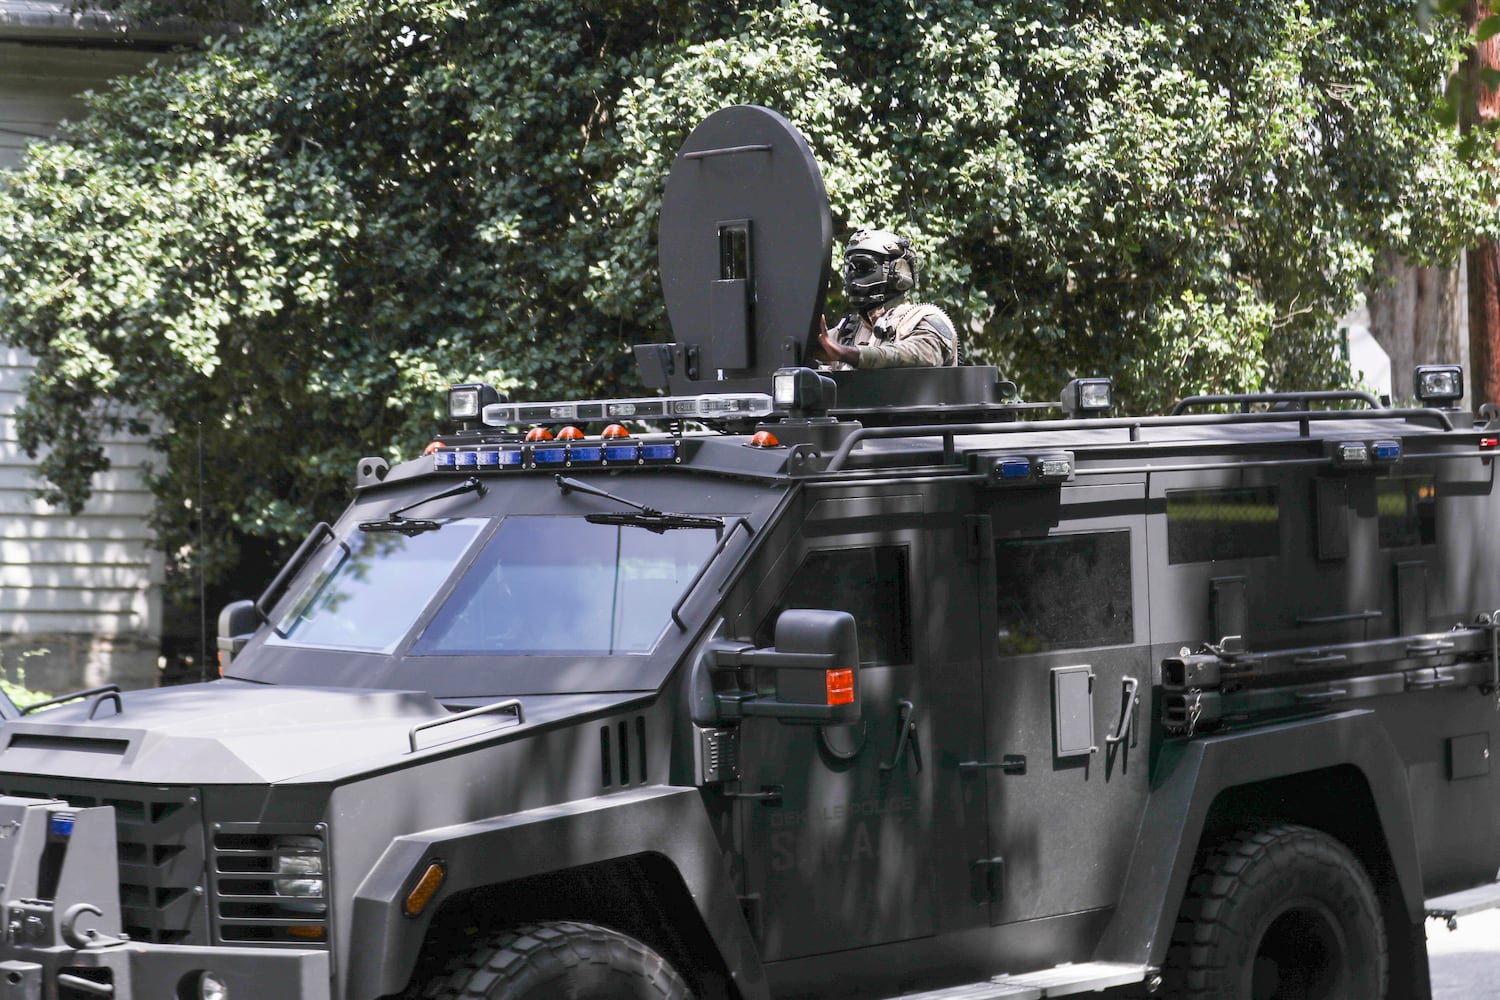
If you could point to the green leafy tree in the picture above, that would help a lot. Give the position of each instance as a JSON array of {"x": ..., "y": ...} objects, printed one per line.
[{"x": 277, "y": 251}]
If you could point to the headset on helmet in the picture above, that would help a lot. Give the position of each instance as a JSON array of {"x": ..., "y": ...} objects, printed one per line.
[{"x": 878, "y": 266}]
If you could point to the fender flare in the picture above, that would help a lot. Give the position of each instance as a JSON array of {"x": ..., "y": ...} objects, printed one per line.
[
  {"x": 1188, "y": 777},
  {"x": 663, "y": 820}
]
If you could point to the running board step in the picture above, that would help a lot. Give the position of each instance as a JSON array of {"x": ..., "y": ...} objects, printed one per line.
[
  {"x": 1062, "y": 981},
  {"x": 1461, "y": 904}
]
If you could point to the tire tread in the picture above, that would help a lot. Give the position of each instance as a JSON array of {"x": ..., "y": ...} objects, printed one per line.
[
  {"x": 537, "y": 959},
  {"x": 1239, "y": 864}
]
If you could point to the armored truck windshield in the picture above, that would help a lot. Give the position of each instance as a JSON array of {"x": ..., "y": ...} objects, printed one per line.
[
  {"x": 527, "y": 586},
  {"x": 536, "y": 581}
]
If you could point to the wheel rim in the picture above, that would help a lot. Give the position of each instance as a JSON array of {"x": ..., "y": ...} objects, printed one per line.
[{"x": 1301, "y": 956}]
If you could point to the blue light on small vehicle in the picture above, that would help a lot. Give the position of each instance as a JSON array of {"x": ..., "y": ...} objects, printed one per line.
[
  {"x": 658, "y": 452},
  {"x": 468, "y": 459},
  {"x": 585, "y": 453},
  {"x": 510, "y": 458},
  {"x": 1386, "y": 451},
  {"x": 622, "y": 452},
  {"x": 1013, "y": 468},
  {"x": 444, "y": 459},
  {"x": 488, "y": 459},
  {"x": 549, "y": 456},
  {"x": 60, "y": 824}
]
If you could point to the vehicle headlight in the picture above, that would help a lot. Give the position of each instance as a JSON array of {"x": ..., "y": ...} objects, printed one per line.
[
  {"x": 212, "y": 987},
  {"x": 301, "y": 858}
]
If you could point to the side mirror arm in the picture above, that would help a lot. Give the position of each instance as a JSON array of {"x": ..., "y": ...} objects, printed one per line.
[{"x": 816, "y": 684}]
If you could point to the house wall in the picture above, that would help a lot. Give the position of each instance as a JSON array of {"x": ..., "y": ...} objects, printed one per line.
[
  {"x": 80, "y": 596},
  {"x": 42, "y": 84}
]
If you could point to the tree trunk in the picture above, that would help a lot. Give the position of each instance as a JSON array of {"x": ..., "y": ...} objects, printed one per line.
[
  {"x": 1416, "y": 316},
  {"x": 1484, "y": 259},
  {"x": 1484, "y": 323}
]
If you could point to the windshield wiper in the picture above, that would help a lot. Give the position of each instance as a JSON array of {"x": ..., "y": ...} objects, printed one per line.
[
  {"x": 644, "y": 517},
  {"x": 415, "y": 526}
]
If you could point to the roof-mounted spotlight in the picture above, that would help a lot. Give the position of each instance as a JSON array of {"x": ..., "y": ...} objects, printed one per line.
[
  {"x": 467, "y": 402},
  {"x": 803, "y": 392},
  {"x": 1438, "y": 385},
  {"x": 1088, "y": 397}
]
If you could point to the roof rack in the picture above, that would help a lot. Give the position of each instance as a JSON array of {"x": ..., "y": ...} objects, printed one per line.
[
  {"x": 949, "y": 432},
  {"x": 1291, "y": 400}
]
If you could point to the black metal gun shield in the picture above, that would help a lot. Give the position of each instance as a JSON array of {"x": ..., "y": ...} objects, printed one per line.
[{"x": 745, "y": 246}]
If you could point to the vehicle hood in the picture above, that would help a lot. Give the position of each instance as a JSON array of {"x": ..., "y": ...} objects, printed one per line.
[{"x": 232, "y": 732}]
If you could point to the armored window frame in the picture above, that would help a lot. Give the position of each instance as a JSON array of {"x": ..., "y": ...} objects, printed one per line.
[
  {"x": 877, "y": 594},
  {"x": 1406, "y": 511},
  {"x": 1048, "y": 591},
  {"x": 1223, "y": 523}
]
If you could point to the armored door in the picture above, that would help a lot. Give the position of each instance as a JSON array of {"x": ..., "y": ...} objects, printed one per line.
[
  {"x": 836, "y": 836},
  {"x": 1066, "y": 693}
]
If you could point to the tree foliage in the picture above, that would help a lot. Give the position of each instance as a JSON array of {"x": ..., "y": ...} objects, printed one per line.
[{"x": 279, "y": 249}]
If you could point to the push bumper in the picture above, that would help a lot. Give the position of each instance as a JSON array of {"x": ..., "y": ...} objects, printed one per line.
[
  {"x": 130, "y": 971},
  {"x": 60, "y": 928}
]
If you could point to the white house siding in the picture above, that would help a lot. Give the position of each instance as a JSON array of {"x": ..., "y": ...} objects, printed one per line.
[
  {"x": 85, "y": 588},
  {"x": 40, "y": 85}
]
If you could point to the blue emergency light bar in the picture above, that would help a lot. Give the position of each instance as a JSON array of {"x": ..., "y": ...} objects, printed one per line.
[{"x": 555, "y": 455}]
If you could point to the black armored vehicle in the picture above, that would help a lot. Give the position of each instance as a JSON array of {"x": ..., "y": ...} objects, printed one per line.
[{"x": 792, "y": 683}]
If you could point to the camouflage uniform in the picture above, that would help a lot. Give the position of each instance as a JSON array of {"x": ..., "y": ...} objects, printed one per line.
[{"x": 902, "y": 335}]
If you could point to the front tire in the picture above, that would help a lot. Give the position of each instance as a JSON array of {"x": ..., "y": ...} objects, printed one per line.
[
  {"x": 1280, "y": 912},
  {"x": 556, "y": 959}
]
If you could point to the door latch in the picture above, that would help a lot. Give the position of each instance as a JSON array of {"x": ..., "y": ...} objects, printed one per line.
[{"x": 906, "y": 734}]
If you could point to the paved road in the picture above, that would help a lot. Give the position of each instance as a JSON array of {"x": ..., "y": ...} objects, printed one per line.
[{"x": 1465, "y": 963}]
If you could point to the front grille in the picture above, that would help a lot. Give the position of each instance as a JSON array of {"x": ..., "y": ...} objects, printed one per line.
[
  {"x": 256, "y": 903},
  {"x": 159, "y": 834}
]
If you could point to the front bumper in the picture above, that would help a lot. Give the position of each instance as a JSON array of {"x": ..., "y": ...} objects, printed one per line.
[
  {"x": 60, "y": 927},
  {"x": 131, "y": 971}
]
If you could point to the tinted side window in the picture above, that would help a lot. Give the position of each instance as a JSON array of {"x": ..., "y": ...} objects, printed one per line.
[
  {"x": 1208, "y": 525},
  {"x": 1408, "y": 511},
  {"x": 1064, "y": 591},
  {"x": 868, "y": 583}
]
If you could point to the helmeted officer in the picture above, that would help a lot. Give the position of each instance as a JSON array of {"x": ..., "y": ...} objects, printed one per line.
[{"x": 886, "y": 331}]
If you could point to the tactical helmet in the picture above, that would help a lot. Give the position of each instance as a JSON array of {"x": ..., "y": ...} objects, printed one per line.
[{"x": 878, "y": 266}]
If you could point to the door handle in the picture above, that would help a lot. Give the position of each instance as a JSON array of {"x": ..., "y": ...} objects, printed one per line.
[
  {"x": 906, "y": 734},
  {"x": 1127, "y": 713}
]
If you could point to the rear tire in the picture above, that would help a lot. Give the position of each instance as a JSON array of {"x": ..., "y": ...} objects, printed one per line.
[
  {"x": 556, "y": 959},
  {"x": 1279, "y": 912}
]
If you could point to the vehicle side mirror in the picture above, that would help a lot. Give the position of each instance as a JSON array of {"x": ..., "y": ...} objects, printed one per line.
[
  {"x": 810, "y": 677},
  {"x": 237, "y": 623}
]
